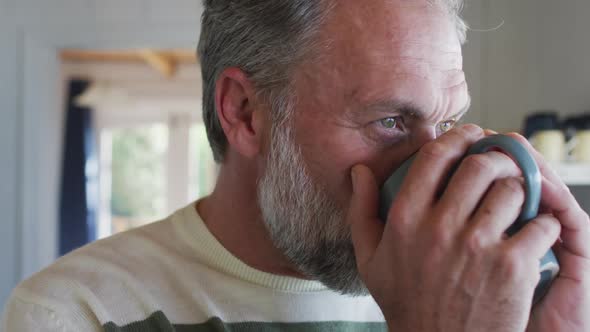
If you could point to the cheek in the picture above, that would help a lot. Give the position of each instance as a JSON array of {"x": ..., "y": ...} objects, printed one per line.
[
  {"x": 330, "y": 149},
  {"x": 330, "y": 155}
]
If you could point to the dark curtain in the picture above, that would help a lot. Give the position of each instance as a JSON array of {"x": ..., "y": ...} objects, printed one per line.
[{"x": 79, "y": 185}]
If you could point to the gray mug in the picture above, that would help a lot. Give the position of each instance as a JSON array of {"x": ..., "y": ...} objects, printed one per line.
[{"x": 532, "y": 185}]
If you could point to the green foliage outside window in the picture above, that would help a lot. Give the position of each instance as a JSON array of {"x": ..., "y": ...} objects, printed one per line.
[{"x": 139, "y": 172}]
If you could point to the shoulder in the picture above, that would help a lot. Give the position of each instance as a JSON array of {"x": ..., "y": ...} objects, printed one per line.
[
  {"x": 114, "y": 279},
  {"x": 24, "y": 312}
]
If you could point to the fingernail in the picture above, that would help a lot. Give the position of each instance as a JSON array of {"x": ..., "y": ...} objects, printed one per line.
[{"x": 472, "y": 129}]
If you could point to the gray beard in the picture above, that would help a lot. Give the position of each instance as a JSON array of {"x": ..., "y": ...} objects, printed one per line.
[{"x": 303, "y": 222}]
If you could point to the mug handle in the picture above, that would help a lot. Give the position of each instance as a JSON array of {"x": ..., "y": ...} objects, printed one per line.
[
  {"x": 549, "y": 266},
  {"x": 530, "y": 172}
]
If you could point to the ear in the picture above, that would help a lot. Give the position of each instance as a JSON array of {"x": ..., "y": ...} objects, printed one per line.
[{"x": 235, "y": 101}]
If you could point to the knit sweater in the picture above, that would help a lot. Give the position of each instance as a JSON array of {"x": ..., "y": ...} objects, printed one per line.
[{"x": 173, "y": 275}]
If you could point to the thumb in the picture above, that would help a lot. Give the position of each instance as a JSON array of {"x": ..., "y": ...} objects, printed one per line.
[{"x": 362, "y": 214}]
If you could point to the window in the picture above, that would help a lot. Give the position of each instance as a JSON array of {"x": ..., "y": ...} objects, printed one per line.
[
  {"x": 154, "y": 158},
  {"x": 201, "y": 175},
  {"x": 148, "y": 170},
  {"x": 133, "y": 172},
  {"x": 153, "y": 152}
]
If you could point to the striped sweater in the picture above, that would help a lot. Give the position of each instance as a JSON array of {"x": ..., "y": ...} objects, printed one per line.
[{"x": 173, "y": 275}]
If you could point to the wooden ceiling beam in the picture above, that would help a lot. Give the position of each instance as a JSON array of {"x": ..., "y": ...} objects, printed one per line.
[
  {"x": 164, "y": 61},
  {"x": 179, "y": 56},
  {"x": 163, "y": 64}
]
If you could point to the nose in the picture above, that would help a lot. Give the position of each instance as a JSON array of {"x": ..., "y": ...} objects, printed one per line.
[
  {"x": 423, "y": 135},
  {"x": 391, "y": 161}
]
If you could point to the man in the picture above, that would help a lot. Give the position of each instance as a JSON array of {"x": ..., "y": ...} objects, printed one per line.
[{"x": 309, "y": 105}]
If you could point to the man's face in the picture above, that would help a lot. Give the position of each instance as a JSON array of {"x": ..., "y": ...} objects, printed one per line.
[{"x": 389, "y": 81}]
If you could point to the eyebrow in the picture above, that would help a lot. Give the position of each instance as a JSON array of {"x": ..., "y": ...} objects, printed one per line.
[{"x": 409, "y": 109}]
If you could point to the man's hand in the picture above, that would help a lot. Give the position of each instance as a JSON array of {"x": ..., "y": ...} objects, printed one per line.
[
  {"x": 566, "y": 307},
  {"x": 442, "y": 262}
]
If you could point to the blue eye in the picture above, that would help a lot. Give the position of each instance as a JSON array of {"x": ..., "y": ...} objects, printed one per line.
[{"x": 389, "y": 123}]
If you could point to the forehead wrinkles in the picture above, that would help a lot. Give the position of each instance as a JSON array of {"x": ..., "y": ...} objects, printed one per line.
[
  {"x": 415, "y": 60},
  {"x": 395, "y": 20},
  {"x": 375, "y": 48},
  {"x": 381, "y": 33},
  {"x": 386, "y": 16},
  {"x": 426, "y": 38},
  {"x": 443, "y": 79},
  {"x": 421, "y": 28},
  {"x": 416, "y": 55}
]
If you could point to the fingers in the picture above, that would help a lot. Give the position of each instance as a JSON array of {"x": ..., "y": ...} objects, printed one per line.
[
  {"x": 498, "y": 210},
  {"x": 557, "y": 198},
  {"x": 545, "y": 168},
  {"x": 362, "y": 215},
  {"x": 473, "y": 179},
  {"x": 572, "y": 267},
  {"x": 536, "y": 237},
  {"x": 433, "y": 164},
  {"x": 576, "y": 227}
]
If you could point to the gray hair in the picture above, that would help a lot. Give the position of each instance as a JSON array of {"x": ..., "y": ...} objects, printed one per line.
[{"x": 266, "y": 39}]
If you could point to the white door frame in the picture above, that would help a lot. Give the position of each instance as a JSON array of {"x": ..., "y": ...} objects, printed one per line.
[{"x": 43, "y": 117}]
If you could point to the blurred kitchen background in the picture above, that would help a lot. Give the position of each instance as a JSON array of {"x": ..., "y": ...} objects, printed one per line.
[{"x": 108, "y": 94}]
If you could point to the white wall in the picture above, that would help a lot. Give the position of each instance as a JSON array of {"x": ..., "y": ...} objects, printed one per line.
[
  {"x": 501, "y": 64},
  {"x": 509, "y": 62},
  {"x": 564, "y": 55},
  {"x": 538, "y": 59}
]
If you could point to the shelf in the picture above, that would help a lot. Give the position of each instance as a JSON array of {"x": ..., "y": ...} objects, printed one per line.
[{"x": 573, "y": 174}]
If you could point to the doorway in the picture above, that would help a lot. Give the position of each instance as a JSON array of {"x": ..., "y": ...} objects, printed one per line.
[{"x": 152, "y": 154}]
